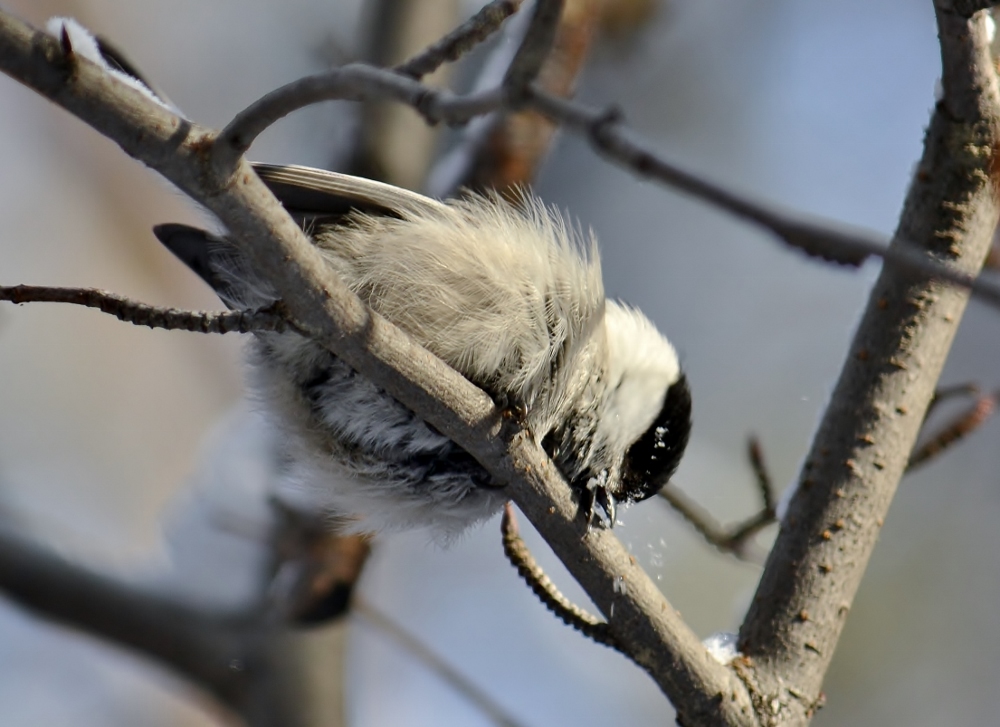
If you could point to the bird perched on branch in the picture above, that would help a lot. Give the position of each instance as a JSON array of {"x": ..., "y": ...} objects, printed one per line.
[{"x": 508, "y": 294}]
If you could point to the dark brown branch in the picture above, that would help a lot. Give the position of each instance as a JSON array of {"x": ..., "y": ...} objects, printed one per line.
[
  {"x": 864, "y": 441},
  {"x": 141, "y": 314},
  {"x": 461, "y": 40},
  {"x": 542, "y": 586},
  {"x": 453, "y": 677},
  {"x": 944, "y": 393},
  {"x": 955, "y": 430},
  {"x": 734, "y": 539},
  {"x": 765, "y": 485},
  {"x": 506, "y": 155}
]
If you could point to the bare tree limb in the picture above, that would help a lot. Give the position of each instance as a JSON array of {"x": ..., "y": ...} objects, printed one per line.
[
  {"x": 876, "y": 411},
  {"x": 193, "y": 642},
  {"x": 703, "y": 691},
  {"x": 461, "y": 40},
  {"x": 141, "y": 314}
]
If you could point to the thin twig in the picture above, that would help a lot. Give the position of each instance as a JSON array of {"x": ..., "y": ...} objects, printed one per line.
[
  {"x": 353, "y": 82},
  {"x": 542, "y": 586},
  {"x": 944, "y": 393},
  {"x": 608, "y": 134},
  {"x": 755, "y": 453},
  {"x": 955, "y": 430},
  {"x": 461, "y": 40},
  {"x": 734, "y": 539},
  {"x": 141, "y": 314},
  {"x": 728, "y": 540},
  {"x": 453, "y": 677}
]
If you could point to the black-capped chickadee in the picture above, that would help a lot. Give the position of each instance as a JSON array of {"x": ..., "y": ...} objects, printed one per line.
[{"x": 510, "y": 295}]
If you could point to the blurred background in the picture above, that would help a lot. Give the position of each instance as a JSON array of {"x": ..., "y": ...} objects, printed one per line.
[{"x": 107, "y": 431}]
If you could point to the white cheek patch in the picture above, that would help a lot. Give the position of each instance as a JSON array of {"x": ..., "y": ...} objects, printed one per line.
[{"x": 641, "y": 367}]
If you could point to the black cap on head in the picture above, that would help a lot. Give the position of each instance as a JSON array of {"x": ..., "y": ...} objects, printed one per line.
[{"x": 654, "y": 457}]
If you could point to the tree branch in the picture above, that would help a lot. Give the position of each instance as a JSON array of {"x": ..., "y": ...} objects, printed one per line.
[
  {"x": 353, "y": 82},
  {"x": 864, "y": 441},
  {"x": 141, "y": 314},
  {"x": 833, "y": 243},
  {"x": 461, "y": 40}
]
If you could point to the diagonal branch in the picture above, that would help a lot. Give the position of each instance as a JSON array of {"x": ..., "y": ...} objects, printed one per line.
[
  {"x": 703, "y": 691},
  {"x": 876, "y": 411},
  {"x": 834, "y": 243}
]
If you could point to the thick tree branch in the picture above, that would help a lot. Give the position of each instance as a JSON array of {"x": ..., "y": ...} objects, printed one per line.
[
  {"x": 864, "y": 441},
  {"x": 642, "y": 621}
]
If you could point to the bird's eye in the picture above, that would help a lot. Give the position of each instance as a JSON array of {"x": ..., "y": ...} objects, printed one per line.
[{"x": 654, "y": 457}]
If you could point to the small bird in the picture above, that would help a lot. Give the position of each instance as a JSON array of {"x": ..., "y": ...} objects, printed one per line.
[{"x": 507, "y": 293}]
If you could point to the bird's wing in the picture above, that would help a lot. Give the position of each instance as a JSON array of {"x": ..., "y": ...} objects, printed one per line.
[
  {"x": 311, "y": 193},
  {"x": 313, "y": 197}
]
